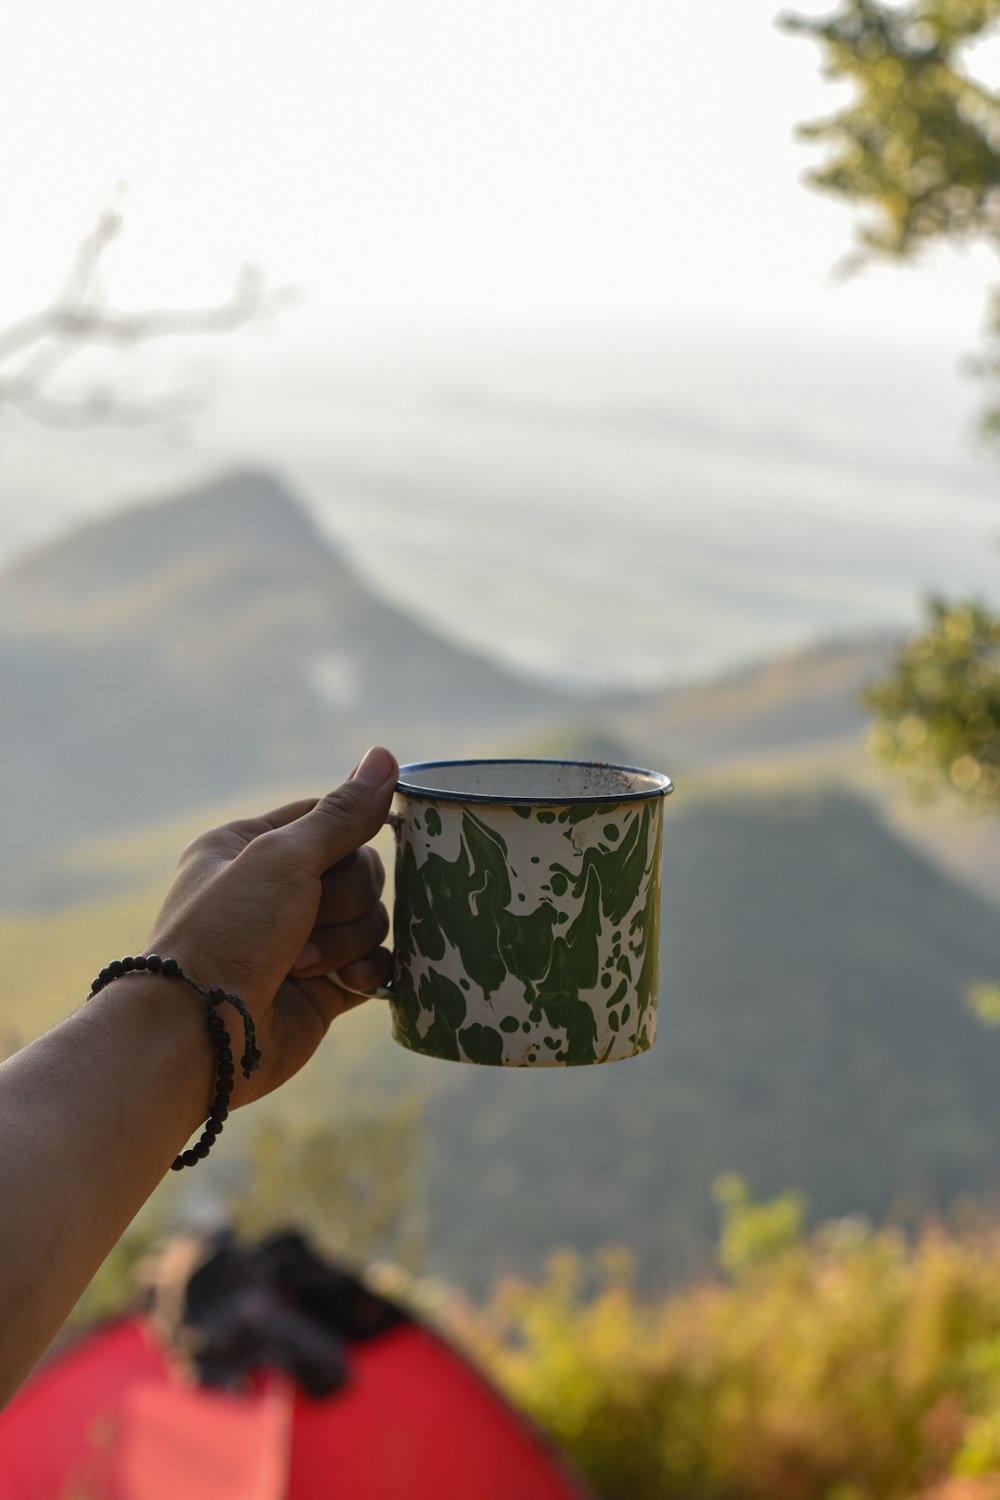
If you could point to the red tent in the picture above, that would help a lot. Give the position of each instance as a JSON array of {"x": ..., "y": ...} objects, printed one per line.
[{"x": 402, "y": 1416}]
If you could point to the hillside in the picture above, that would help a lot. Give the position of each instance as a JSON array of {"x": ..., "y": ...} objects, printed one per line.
[
  {"x": 812, "y": 1034},
  {"x": 177, "y": 663},
  {"x": 181, "y": 651},
  {"x": 790, "y": 704},
  {"x": 795, "y": 721},
  {"x": 209, "y": 645}
]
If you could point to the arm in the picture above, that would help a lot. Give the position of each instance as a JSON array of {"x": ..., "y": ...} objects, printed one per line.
[{"x": 93, "y": 1113}]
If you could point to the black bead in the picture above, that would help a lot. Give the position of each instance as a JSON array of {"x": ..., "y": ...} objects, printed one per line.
[{"x": 219, "y": 1037}]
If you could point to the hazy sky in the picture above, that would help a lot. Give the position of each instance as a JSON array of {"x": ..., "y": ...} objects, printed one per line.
[
  {"x": 510, "y": 219},
  {"x": 499, "y": 159}
]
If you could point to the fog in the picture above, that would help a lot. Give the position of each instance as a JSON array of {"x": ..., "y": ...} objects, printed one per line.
[{"x": 617, "y": 505}]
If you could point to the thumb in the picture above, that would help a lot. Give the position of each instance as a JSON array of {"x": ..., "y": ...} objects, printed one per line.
[{"x": 345, "y": 819}]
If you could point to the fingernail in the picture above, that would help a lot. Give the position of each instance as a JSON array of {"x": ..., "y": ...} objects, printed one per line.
[
  {"x": 376, "y": 768},
  {"x": 310, "y": 955}
]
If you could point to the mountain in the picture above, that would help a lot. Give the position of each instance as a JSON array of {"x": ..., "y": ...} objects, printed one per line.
[
  {"x": 812, "y": 1034},
  {"x": 787, "y": 705},
  {"x": 815, "y": 950},
  {"x": 797, "y": 719},
  {"x": 181, "y": 651}
]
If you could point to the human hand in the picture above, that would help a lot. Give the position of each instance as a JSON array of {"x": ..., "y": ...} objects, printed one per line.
[{"x": 268, "y": 907}]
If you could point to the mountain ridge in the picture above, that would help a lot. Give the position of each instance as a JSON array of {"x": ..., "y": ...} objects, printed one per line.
[
  {"x": 136, "y": 541},
  {"x": 812, "y": 1034},
  {"x": 229, "y": 646}
]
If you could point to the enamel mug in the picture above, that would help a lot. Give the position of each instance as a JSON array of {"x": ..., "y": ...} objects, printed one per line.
[{"x": 527, "y": 911}]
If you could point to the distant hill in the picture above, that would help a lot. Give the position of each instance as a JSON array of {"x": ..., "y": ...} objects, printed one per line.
[
  {"x": 812, "y": 1035},
  {"x": 808, "y": 697},
  {"x": 178, "y": 652},
  {"x": 800, "y": 719},
  {"x": 160, "y": 666}
]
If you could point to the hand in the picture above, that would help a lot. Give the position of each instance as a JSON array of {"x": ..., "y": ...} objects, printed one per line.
[{"x": 268, "y": 907}]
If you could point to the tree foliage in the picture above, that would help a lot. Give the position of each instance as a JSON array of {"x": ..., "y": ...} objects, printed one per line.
[
  {"x": 918, "y": 145},
  {"x": 36, "y": 348},
  {"x": 938, "y": 714}
]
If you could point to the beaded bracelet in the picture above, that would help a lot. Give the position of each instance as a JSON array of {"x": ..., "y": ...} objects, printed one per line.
[{"x": 217, "y": 1034}]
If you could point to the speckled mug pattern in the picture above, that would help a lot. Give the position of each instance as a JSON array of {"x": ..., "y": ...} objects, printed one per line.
[{"x": 527, "y": 936}]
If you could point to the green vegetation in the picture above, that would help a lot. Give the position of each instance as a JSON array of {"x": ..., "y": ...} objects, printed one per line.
[
  {"x": 852, "y": 1365},
  {"x": 812, "y": 1031},
  {"x": 938, "y": 715},
  {"x": 352, "y": 1187},
  {"x": 919, "y": 143},
  {"x": 847, "y": 1364},
  {"x": 49, "y": 960},
  {"x": 919, "y": 147}
]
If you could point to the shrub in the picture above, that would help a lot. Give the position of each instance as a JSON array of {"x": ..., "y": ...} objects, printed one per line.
[{"x": 853, "y": 1365}]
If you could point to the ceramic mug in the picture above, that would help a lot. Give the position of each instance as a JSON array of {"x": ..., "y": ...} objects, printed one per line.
[{"x": 526, "y": 918}]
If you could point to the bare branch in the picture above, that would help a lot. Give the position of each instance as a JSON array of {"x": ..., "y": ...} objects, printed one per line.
[
  {"x": 23, "y": 333},
  {"x": 34, "y": 348},
  {"x": 84, "y": 269},
  {"x": 104, "y": 408}
]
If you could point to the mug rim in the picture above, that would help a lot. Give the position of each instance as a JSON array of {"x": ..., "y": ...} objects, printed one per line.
[{"x": 430, "y": 794}]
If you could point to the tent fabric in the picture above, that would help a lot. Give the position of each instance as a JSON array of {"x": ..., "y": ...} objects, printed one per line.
[
  {"x": 113, "y": 1418},
  {"x": 107, "y": 1421},
  {"x": 433, "y": 1428}
]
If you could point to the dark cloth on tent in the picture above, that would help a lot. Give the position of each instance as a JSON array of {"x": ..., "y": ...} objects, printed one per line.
[
  {"x": 227, "y": 1309},
  {"x": 110, "y": 1414}
]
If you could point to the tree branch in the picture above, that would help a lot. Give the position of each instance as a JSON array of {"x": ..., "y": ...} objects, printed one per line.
[{"x": 34, "y": 348}]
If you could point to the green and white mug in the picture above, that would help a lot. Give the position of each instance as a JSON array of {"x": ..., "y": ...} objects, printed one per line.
[{"x": 526, "y": 918}]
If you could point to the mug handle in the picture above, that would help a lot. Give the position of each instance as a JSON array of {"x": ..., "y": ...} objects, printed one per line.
[{"x": 382, "y": 991}]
